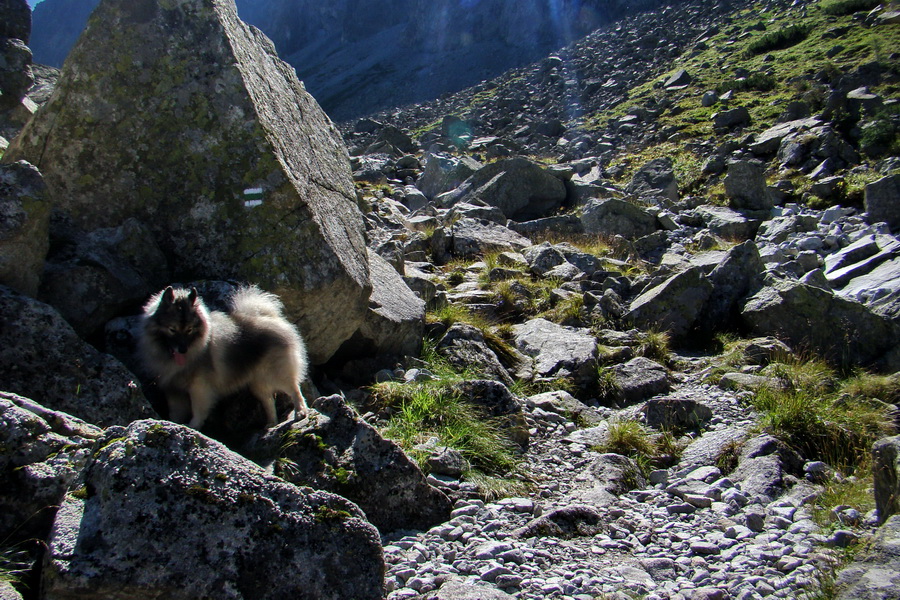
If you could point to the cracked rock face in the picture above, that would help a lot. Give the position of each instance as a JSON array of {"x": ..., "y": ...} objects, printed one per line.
[{"x": 180, "y": 115}]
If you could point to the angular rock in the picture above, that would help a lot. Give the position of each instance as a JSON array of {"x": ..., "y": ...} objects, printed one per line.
[
  {"x": 216, "y": 147},
  {"x": 709, "y": 446},
  {"x": 675, "y": 305},
  {"x": 678, "y": 78},
  {"x": 567, "y": 522},
  {"x": 728, "y": 119},
  {"x": 459, "y": 589},
  {"x": 562, "y": 402},
  {"x": 464, "y": 347},
  {"x": 15, "y": 20},
  {"x": 882, "y": 200},
  {"x": 886, "y": 471},
  {"x": 395, "y": 320},
  {"x": 608, "y": 476},
  {"x": 44, "y": 358},
  {"x": 675, "y": 413},
  {"x": 734, "y": 278},
  {"x": 24, "y": 226},
  {"x": 767, "y": 142},
  {"x": 558, "y": 351},
  {"x": 839, "y": 330},
  {"x": 639, "y": 379},
  {"x": 497, "y": 402},
  {"x": 617, "y": 217},
  {"x": 726, "y": 222},
  {"x": 41, "y": 452},
  {"x": 16, "y": 75},
  {"x": 469, "y": 237},
  {"x": 520, "y": 188},
  {"x": 336, "y": 451},
  {"x": 159, "y": 499},
  {"x": 875, "y": 574},
  {"x": 444, "y": 172},
  {"x": 745, "y": 186},
  {"x": 656, "y": 178},
  {"x": 91, "y": 279}
]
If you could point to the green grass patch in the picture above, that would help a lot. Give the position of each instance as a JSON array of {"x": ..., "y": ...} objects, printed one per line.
[
  {"x": 817, "y": 419},
  {"x": 848, "y": 7},
  {"x": 778, "y": 40}
]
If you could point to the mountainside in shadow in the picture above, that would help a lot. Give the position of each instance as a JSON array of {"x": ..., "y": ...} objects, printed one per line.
[{"x": 359, "y": 56}]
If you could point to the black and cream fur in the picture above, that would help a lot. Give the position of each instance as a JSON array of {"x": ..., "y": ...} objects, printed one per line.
[{"x": 200, "y": 355}]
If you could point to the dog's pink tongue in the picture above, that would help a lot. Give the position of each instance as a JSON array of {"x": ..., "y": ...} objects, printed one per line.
[{"x": 180, "y": 359}]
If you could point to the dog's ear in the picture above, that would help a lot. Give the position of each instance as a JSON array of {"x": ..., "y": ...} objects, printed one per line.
[
  {"x": 168, "y": 296},
  {"x": 192, "y": 296}
]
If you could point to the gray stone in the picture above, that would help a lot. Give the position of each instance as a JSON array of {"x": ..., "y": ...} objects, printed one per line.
[
  {"x": 160, "y": 499},
  {"x": 639, "y": 379},
  {"x": 185, "y": 162},
  {"x": 729, "y": 119},
  {"x": 496, "y": 402},
  {"x": 674, "y": 305},
  {"x": 748, "y": 381},
  {"x": 567, "y": 522},
  {"x": 678, "y": 78},
  {"x": 464, "y": 347},
  {"x": 444, "y": 172},
  {"x": 885, "y": 469},
  {"x": 806, "y": 316},
  {"x": 767, "y": 142},
  {"x": 875, "y": 574},
  {"x": 24, "y": 226},
  {"x": 738, "y": 273},
  {"x": 520, "y": 188},
  {"x": 656, "y": 178},
  {"x": 395, "y": 320},
  {"x": 16, "y": 74},
  {"x": 45, "y": 359},
  {"x": 41, "y": 452},
  {"x": 726, "y": 222},
  {"x": 882, "y": 200},
  {"x": 557, "y": 351},
  {"x": 617, "y": 217},
  {"x": 675, "y": 413},
  {"x": 564, "y": 403},
  {"x": 745, "y": 186},
  {"x": 469, "y": 238},
  {"x": 15, "y": 20},
  {"x": 458, "y": 589}
]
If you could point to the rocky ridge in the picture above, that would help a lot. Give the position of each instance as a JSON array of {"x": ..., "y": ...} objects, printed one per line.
[{"x": 733, "y": 513}]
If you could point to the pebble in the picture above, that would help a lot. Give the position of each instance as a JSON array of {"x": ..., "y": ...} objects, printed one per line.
[{"x": 690, "y": 533}]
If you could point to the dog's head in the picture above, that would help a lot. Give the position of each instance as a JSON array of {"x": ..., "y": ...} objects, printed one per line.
[{"x": 177, "y": 320}]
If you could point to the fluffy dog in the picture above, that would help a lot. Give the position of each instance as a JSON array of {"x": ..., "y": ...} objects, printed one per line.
[{"x": 201, "y": 355}]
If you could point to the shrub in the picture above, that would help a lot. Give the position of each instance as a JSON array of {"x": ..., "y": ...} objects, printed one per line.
[
  {"x": 760, "y": 82},
  {"x": 778, "y": 40},
  {"x": 848, "y": 7}
]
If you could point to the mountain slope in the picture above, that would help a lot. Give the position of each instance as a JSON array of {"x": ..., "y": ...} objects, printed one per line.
[{"x": 359, "y": 56}]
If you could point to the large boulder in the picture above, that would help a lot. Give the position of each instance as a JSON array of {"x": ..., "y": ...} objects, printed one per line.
[
  {"x": 472, "y": 237},
  {"x": 24, "y": 226},
  {"x": 520, "y": 188},
  {"x": 464, "y": 347},
  {"x": 736, "y": 275},
  {"x": 15, "y": 20},
  {"x": 443, "y": 173},
  {"x": 44, "y": 358},
  {"x": 41, "y": 452},
  {"x": 839, "y": 330},
  {"x": 657, "y": 179},
  {"x": 336, "y": 451},
  {"x": 395, "y": 320},
  {"x": 166, "y": 512},
  {"x": 882, "y": 201},
  {"x": 639, "y": 379},
  {"x": 556, "y": 351},
  {"x": 180, "y": 115},
  {"x": 617, "y": 217},
  {"x": 674, "y": 305},
  {"x": 745, "y": 186}
]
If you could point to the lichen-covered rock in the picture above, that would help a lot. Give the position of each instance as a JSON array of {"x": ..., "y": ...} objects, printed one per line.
[
  {"x": 464, "y": 347},
  {"x": 43, "y": 358},
  {"x": 163, "y": 511},
  {"x": 180, "y": 115},
  {"x": 336, "y": 451},
  {"x": 444, "y": 172},
  {"x": 495, "y": 401},
  {"x": 639, "y": 379},
  {"x": 40, "y": 453},
  {"x": 16, "y": 76},
  {"x": 655, "y": 178},
  {"x": 15, "y": 20},
  {"x": 24, "y": 226},
  {"x": 675, "y": 413},
  {"x": 745, "y": 186},
  {"x": 803, "y": 316},
  {"x": 883, "y": 201},
  {"x": 471, "y": 237},
  {"x": 736, "y": 275},
  {"x": 674, "y": 305},
  {"x": 608, "y": 476}
]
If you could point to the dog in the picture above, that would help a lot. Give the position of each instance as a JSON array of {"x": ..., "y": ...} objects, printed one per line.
[{"x": 200, "y": 356}]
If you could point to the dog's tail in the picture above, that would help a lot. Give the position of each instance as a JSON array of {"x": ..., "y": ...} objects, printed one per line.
[{"x": 251, "y": 301}]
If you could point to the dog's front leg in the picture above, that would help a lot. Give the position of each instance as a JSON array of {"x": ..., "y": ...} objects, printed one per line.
[{"x": 202, "y": 401}]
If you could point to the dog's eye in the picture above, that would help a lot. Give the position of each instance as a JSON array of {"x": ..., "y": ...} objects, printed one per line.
[
  {"x": 172, "y": 330},
  {"x": 189, "y": 330}
]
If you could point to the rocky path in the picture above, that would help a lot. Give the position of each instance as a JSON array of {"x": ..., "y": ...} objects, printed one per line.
[{"x": 692, "y": 534}]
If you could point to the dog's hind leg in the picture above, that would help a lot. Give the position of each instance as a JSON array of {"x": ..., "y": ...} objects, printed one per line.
[{"x": 266, "y": 397}]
